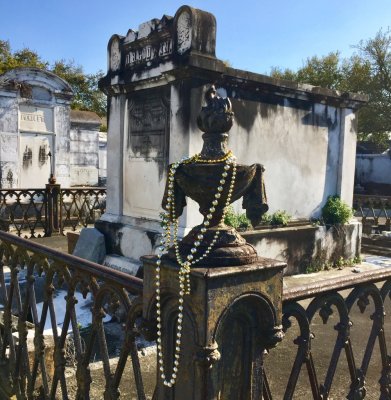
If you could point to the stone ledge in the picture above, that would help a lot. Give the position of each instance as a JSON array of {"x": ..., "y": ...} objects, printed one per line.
[{"x": 303, "y": 246}]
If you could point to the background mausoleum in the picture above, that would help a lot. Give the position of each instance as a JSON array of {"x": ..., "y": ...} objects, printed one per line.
[{"x": 37, "y": 120}]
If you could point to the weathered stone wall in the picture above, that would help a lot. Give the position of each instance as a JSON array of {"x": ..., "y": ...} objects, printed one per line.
[
  {"x": 307, "y": 247},
  {"x": 84, "y": 148},
  {"x": 373, "y": 168},
  {"x": 8, "y": 111},
  {"x": 9, "y": 168},
  {"x": 298, "y": 146},
  {"x": 102, "y": 158},
  {"x": 299, "y": 142},
  {"x": 62, "y": 155}
]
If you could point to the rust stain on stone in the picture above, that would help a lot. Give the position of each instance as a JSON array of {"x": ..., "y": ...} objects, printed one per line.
[{"x": 27, "y": 157}]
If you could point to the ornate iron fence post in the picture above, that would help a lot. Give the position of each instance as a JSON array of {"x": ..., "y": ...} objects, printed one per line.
[
  {"x": 231, "y": 316},
  {"x": 221, "y": 309},
  {"x": 52, "y": 211}
]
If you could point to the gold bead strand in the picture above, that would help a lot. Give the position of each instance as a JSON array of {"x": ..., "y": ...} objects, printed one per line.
[
  {"x": 184, "y": 270},
  {"x": 171, "y": 210}
]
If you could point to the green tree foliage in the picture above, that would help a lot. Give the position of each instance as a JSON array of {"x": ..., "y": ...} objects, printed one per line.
[
  {"x": 318, "y": 71},
  {"x": 21, "y": 58},
  {"x": 376, "y": 53},
  {"x": 87, "y": 96},
  {"x": 367, "y": 71}
]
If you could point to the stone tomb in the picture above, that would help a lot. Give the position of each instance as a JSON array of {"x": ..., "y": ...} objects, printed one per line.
[
  {"x": 84, "y": 148},
  {"x": 157, "y": 76},
  {"x": 35, "y": 118},
  {"x": 34, "y": 109}
]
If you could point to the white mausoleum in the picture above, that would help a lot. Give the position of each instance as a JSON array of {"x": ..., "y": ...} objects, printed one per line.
[{"x": 40, "y": 134}]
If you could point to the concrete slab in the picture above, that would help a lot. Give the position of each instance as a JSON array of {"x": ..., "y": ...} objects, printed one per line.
[
  {"x": 369, "y": 263},
  {"x": 91, "y": 245},
  {"x": 57, "y": 242}
]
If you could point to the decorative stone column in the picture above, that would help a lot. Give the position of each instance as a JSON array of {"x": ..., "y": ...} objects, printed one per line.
[
  {"x": 347, "y": 155},
  {"x": 231, "y": 316}
]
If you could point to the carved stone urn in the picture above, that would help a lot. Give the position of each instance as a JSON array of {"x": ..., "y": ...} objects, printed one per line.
[
  {"x": 199, "y": 180},
  {"x": 215, "y": 301}
]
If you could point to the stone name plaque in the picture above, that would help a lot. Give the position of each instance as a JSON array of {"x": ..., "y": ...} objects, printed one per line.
[
  {"x": 84, "y": 176},
  {"x": 147, "y": 137},
  {"x": 35, "y": 119},
  {"x": 145, "y": 158}
]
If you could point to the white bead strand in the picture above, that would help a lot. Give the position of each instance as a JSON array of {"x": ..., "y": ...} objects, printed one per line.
[{"x": 170, "y": 222}]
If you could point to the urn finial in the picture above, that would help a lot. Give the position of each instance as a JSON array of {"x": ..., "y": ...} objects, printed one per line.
[{"x": 217, "y": 116}]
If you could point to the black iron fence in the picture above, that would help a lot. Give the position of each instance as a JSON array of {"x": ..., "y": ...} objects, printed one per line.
[
  {"x": 340, "y": 330},
  {"x": 374, "y": 212},
  {"x": 42, "y": 212},
  {"x": 45, "y": 352},
  {"x": 335, "y": 345},
  {"x": 80, "y": 207}
]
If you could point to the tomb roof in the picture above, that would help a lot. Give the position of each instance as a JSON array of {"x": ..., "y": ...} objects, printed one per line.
[{"x": 90, "y": 117}]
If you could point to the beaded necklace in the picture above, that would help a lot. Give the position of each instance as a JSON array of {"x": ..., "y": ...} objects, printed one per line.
[{"x": 170, "y": 222}]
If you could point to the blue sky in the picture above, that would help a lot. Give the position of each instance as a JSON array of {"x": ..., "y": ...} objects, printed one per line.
[{"x": 252, "y": 34}]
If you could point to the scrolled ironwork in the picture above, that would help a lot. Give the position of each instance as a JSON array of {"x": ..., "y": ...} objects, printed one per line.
[
  {"x": 24, "y": 211},
  {"x": 36, "y": 360},
  {"x": 37, "y": 365},
  {"x": 79, "y": 207},
  {"x": 34, "y": 213},
  {"x": 338, "y": 298},
  {"x": 303, "y": 355}
]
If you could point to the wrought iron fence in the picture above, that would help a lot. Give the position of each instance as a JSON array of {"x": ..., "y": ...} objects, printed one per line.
[
  {"x": 24, "y": 211},
  {"x": 336, "y": 325},
  {"x": 335, "y": 346},
  {"x": 44, "y": 350},
  {"x": 81, "y": 207},
  {"x": 42, "y": 212},
  {"x": 374, "y": 211}
]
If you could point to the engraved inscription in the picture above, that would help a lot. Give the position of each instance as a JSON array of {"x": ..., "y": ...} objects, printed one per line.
[
  {"x": 35, "y": 119},
  {"x": 148, "y": 53},
  {"x": 84, "y": 175},
  {"x": 30, "y": 117},
  {"x": 147, "y": 128},
  {"x": 146, "y": 152}
]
